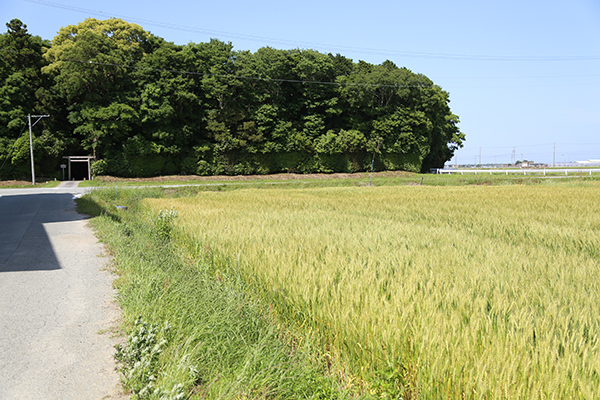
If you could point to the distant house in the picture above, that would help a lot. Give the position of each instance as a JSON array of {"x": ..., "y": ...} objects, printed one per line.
[{"x": 526, "y": 164}]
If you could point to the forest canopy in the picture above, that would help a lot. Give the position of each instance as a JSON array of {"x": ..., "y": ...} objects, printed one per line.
[{"x": 142, "y": 106}]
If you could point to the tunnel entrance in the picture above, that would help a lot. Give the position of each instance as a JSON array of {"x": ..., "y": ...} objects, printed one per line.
[{"x": 78, "y": 167}]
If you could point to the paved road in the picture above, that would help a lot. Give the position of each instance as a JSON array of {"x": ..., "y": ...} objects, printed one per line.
[{"x": 55, "y": 298}]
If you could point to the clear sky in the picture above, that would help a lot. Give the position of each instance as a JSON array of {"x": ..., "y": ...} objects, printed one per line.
[{"x": 523, "y": 75}]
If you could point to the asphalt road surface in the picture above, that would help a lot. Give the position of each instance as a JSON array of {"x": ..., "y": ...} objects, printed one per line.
[{"x": 56, "y": 300}]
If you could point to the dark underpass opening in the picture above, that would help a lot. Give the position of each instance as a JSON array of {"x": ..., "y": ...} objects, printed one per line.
[
  {"x": 79, "y": 171},
  {"x": 78, "y": 168}
]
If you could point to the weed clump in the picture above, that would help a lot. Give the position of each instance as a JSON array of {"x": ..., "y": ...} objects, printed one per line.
[
  {"x": 163, "y": 224},
  {"x": 140, "y": 359}
]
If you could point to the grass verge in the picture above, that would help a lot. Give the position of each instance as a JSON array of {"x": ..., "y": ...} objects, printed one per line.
[
  {"x": 388, "y": 178},
  {"x": 193, "y": 334},
  {"x": 27, "y": 184}
]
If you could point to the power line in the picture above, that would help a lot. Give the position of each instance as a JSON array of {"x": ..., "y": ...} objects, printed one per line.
[
  {"x": 535, "y": 151},
  {"x": 184, "y": 72},
  {"x": 256, "y": 78},
  {"x": 520, "y": 77},
  {"x": 439, "y": 56},
  {"x": 522, "y": 86},
  {"x": 476, "y": 149},
  {"x": 357, "y": 84},
  {"x": 507, "y": 147}
]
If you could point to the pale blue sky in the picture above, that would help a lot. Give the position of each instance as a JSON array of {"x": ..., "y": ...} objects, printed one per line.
[{"x": 521, "y": 74}]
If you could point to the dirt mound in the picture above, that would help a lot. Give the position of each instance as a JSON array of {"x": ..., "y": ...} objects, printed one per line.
[
  {"x": 14, "y": 183},
  {"x": 241, "y": 178}
]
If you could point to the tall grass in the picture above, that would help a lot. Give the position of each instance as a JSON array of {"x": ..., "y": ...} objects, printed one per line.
[
  {"x": 387, "y": 178},
  {"x": 192, "y": 335},
  {"x": 424, "y": 292}
]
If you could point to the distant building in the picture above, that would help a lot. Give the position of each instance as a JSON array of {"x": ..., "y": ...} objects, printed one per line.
[
  {"x": 531, "y": 164},
  {"x": 526, "y": 164},
  {"x": 589, "y": 163}
]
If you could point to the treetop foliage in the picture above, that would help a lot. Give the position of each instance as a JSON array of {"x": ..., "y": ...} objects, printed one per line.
[{"x": 143, "y": 106}]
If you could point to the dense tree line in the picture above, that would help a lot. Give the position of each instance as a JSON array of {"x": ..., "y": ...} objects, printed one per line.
[{"x": 143, "y": 106}]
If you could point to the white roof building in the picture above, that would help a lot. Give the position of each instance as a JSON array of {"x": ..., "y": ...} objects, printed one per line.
[{"x": 589, "y": 162}]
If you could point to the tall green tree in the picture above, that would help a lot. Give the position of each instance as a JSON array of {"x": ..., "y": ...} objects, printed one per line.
[
  {"x": 21, "y": 86},
  {"x": 20, "y": 76},
  {"x": 90, "y": 64},
  {"x": 405, "y": 116},
  {"x": 143, "y": 106},
  {"x": 170, "y": 108}
]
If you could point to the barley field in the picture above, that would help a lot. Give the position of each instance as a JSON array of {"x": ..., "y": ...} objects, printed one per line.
[{"x": 423, "y": 292}]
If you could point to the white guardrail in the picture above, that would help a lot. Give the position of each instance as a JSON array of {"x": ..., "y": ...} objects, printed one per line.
[{"x": 523, "y": 171}]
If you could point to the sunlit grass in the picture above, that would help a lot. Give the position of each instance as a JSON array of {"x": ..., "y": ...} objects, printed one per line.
[
  {"x": 197, "y": 336},
  {"x": 25, "y": 185},
  {"x": 445, "y": 292},
  {"x": 389, "y": 178}
]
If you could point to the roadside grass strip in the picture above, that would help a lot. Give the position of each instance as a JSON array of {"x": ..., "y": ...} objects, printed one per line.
[{"x": 192, "y": 334}]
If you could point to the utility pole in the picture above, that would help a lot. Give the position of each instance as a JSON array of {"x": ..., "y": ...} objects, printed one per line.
[
  {"x": 480, "y": 156},
  {"x": 31, "y": 143},
  {"x": 554, "y": 156}
]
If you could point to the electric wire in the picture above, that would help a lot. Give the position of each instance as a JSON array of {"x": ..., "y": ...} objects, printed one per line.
[
  {"x": 438, "y": 56},
  {"x": 350, "y": 83},
  {"x": 256, "y": 78},
  {"x": 572, "y": 151}
]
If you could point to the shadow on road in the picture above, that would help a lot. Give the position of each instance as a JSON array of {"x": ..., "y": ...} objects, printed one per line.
[{"x": 24, "y": 222}]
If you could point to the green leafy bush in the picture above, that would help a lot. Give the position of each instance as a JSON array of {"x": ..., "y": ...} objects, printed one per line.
[{"x": 140, "y": 356}]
